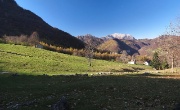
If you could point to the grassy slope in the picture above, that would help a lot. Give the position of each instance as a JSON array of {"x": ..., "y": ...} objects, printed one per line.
[
  {"x": 125, "y": 92},
  {"x": 30, "y": 60}
]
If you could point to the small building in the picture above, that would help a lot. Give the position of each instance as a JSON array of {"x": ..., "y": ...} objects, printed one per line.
[
  {"x": 132, "y": 62},
  {"x": 146, "y": 63}
]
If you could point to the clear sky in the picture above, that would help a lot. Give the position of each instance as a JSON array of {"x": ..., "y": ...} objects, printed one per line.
[{"x": 140, "y": 18}]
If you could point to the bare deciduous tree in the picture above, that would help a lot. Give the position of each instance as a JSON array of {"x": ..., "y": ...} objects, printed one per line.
[
  {"x": 173, "y": 44},
  {"x": 34, "y": 38},
  {"x": 89, "y": 49}
]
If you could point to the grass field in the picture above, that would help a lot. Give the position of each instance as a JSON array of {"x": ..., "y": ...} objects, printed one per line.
[
  {"x": 31, "y": 90},
  {"x": 30, "y": 60},
  {"x": 125, "y": 92}
]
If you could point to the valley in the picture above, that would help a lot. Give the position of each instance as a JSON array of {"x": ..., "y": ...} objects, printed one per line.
[{"x": 45, "y": 68}]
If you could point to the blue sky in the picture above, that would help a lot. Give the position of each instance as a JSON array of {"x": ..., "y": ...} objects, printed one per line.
[{"x": 140, "y": 18}]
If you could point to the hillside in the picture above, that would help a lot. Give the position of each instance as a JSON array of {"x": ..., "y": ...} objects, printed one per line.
[
  {"x": 166, "y": 46},
  {"x": 110, "y": 45},
  {"x": 30, "y": 60},
  {"x": 90, "y": 39},
  {"x": 15, "y": 21},
  {"x": 116, "y": 43},
  {"x": 117, "y": 46}
]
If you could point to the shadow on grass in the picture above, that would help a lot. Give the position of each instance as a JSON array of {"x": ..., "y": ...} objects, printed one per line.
[
  {"x": 137, "y": 69},
  {"x": 142, "y": 75},
  {"x": 154, "y": 75},
  {"x": 1, "y": 68},
  {"x": 134, "y": 69},
  {"x": 89, "y": 92},
  {"x": 127, "y": 70}
]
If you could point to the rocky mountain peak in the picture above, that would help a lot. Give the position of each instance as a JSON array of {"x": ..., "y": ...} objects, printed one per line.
[{"x": 120, "y": 36}]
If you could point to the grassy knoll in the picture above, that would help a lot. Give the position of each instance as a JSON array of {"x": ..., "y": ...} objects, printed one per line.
[
  {"x": 30, "y": 60},
  {"x": 125, "y": 92}
]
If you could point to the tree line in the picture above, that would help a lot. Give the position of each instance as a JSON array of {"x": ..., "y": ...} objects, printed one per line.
[{"x": 31, "y": 40}]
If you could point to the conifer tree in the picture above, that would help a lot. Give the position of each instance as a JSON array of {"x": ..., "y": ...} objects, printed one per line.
[{"x": 156, "y": 63}]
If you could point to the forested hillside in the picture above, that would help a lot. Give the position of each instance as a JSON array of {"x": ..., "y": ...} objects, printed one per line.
[{"x": 16, "y": 21}]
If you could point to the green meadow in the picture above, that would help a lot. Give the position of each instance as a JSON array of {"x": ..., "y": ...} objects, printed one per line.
[
  {"x": 43, "y": 77},
  {"x": 34, "y": 61}
]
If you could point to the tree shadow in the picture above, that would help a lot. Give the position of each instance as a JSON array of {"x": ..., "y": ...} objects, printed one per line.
[
  {"x": 142, "y": 75},
  {"x": 137, "y": 69},
  {"x": 127, "y": 70}
]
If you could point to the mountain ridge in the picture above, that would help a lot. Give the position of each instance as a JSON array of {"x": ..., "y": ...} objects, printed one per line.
[
  {"x": 15, "y": 21},
  {"x": 119, "y": 36},
  {"x": 115, "y": 45}
]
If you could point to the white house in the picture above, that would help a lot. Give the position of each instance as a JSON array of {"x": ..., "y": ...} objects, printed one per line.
[
  {"x": 132, "y": 62},
  {"x": 146, "y": 63}
]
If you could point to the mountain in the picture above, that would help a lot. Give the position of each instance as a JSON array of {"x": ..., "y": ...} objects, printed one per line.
[
  {"x": 15, "y": 21},
  {"x": 90, "y": 39},
  {"x": 117, "y": 46},
  {"x": 158, "y": 44},
  {"x": 111, "y": 46},
  {"x": 168, "y": 47},
  {"x": 119, "y": 36}
]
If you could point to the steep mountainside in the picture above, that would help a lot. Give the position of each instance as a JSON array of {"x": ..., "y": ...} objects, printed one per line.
[
  {"x": 15, "y": 21},
  {"x": 110, "y": 45},
  {"x": 135, "y": 44},
  {"x": 117, "y": 46}
]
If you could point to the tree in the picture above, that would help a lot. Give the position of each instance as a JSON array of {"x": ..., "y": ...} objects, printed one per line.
[
  {"x": 164, "y": 64},
  {"x": 34, "y": 38},
  {"x": 23, "y": 40},
  {"x": 156, "y": 63},
  {"x": 89, "y": 50},
  {"x": 124, "y": 56},
  {"x": 173, "y": 46}
]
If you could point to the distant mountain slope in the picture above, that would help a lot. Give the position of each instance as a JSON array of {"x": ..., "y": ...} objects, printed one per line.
[
  {"x": 117, "y": 46},
  {"x": 15, "y": 21},
  {"x": 110, "y": 45},
  {"x": 161, "y": 43},
  {"x": 119, "y": 36},
  {"x": 168, "y": 47},
  {"x": 89, "y": 39}
]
